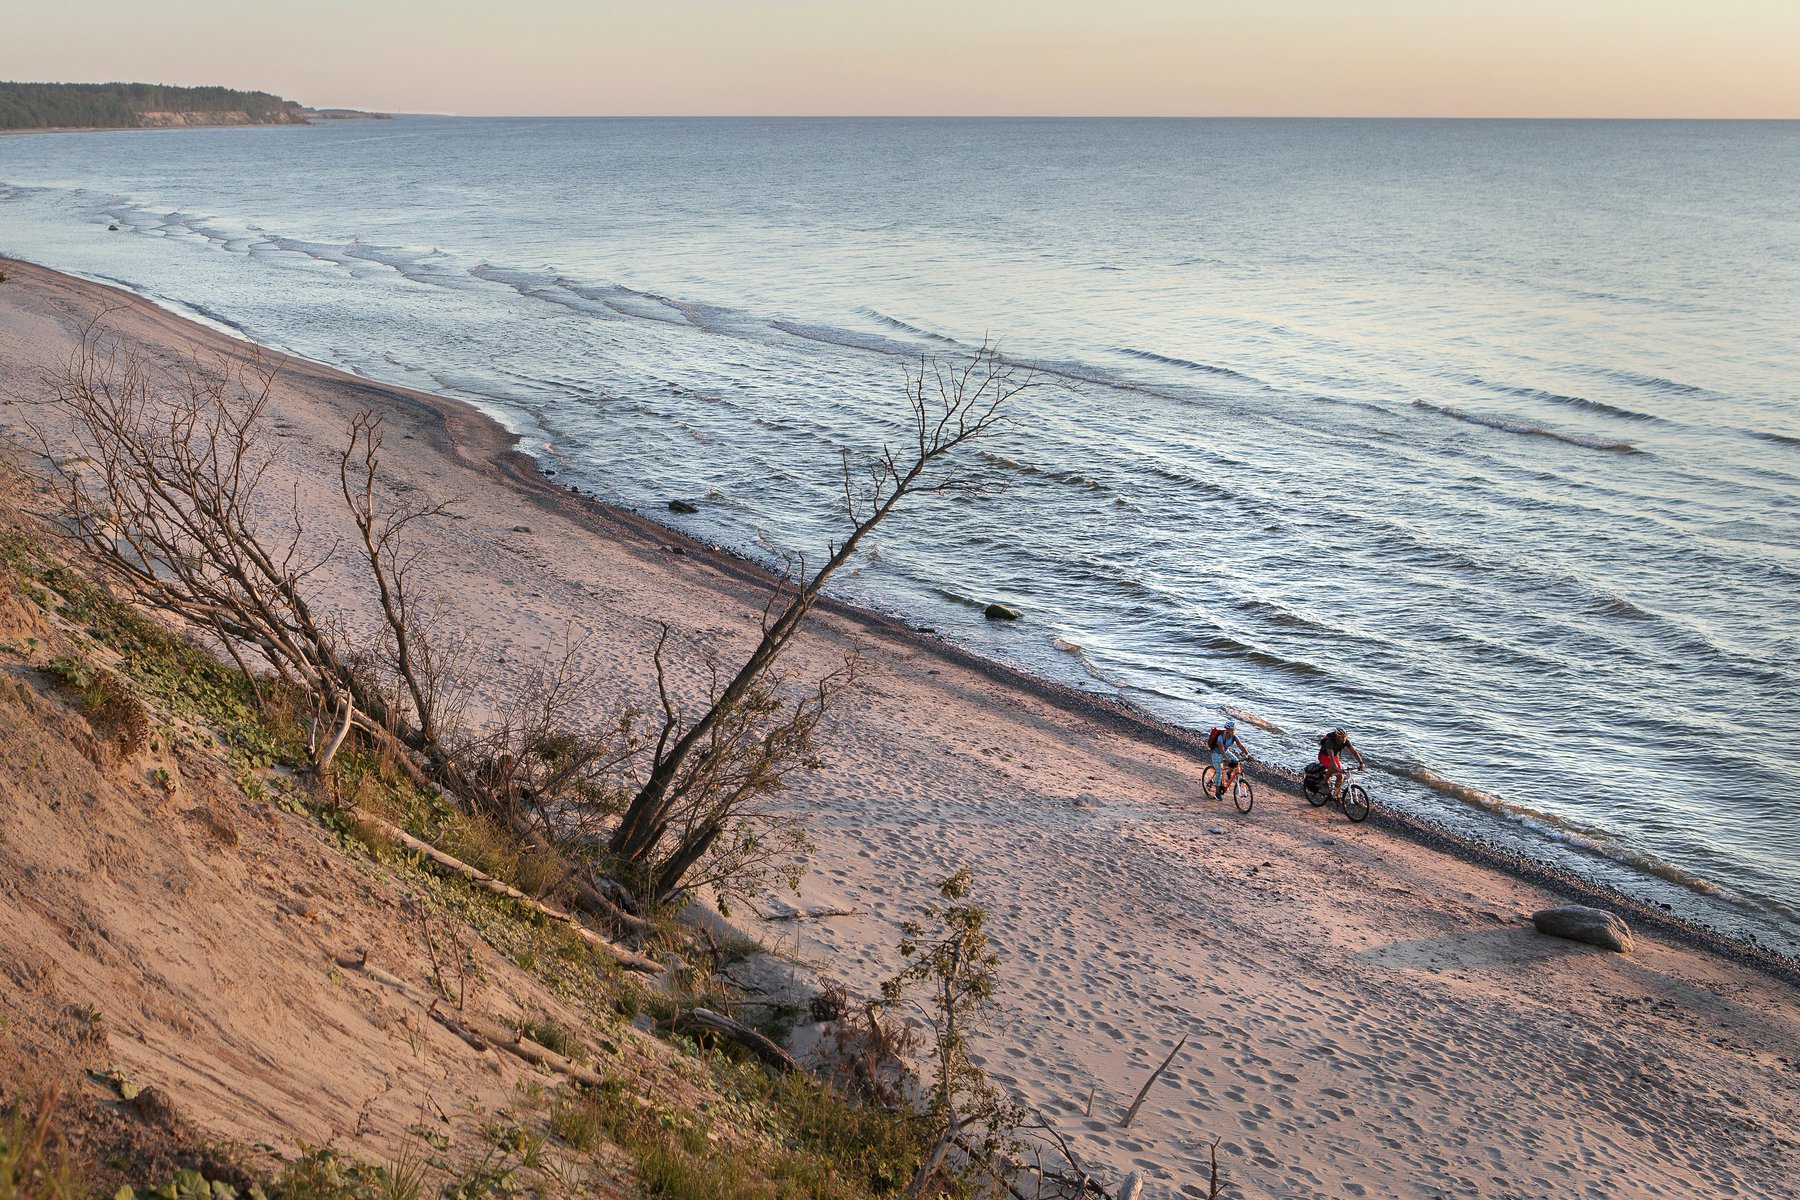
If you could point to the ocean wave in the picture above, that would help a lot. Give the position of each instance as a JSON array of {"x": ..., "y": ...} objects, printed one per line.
[
  {"x": 1077, "y": 372},
  {"x": 1780, "y": 439},
  {"x": 1527, "y": 429},
  {"x": 1555, "y": 829},
  {"x": 896, "y": 323},
  {"x": 434, "y": 267},
  {"x": 710, "y": 318},
  {"x": 833, "y": 336},
  {"x": 187, "y": 308},
  {"x": 1613, "y": 605},
  {"x": 1654, "y": 382},
  {"x": 598, "y": 301},
  {"x": 1276, "y": 613},
  {"x": 956, "y": 597},
  {"x": 1074, "y": 651},
  {"x": 1224, "y": 643},
  {"x": 1072, "y": 478},
  {"x": 322, "y": 252},
  {"x": 1188, "y": 364},
  {"x": 394, "y": 257},
  {"x": 1250, "y": 718},
  {"x": 1761, "y": 533},
  {"x": 710, "y": 398},
  {"x": 1583, "y": 403},
  {"x": 1188, "y": 482},
  {"x": 624, "y": 309}
]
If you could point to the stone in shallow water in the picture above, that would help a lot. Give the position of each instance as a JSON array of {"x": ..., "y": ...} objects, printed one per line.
[
  {"x": 683, "y": 507},
  {"x": 1579, "y": 923},
  {"x": 1002, "y": 612}
]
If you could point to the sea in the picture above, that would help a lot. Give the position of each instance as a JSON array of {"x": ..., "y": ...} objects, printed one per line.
[{"x": 1479, "y": 438}]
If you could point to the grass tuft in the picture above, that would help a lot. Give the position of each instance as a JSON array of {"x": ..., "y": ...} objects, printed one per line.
[{"x": 34, "y": 1162}]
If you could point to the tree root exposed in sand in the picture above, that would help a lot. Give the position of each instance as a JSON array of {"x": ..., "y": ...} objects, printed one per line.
[{"x": 629, "y": 959}]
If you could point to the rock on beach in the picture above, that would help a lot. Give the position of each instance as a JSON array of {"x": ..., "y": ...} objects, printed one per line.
[{"x": 1579, "y": 923}]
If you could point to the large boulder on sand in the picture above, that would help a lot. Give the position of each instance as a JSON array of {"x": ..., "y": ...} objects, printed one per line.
[{"x": 1579, "y": 923}]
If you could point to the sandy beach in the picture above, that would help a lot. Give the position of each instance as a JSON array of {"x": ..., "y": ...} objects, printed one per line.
[{"x": 1367, "y": 1010}]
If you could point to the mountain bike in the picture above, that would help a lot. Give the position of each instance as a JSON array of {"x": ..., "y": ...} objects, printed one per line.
[
  {"x": 1242, "y": 794},
  {"x": 1355, "y": 800}
]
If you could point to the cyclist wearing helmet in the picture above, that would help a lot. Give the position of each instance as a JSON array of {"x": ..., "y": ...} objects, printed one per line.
[
  {"x": 1227, "y": 753},
  {"x": 1331, "y": 746}
]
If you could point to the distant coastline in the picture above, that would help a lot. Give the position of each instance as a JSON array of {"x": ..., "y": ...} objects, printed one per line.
[
  {"x": 86, "y": 107},
  {"x": 187, "y": 125}
]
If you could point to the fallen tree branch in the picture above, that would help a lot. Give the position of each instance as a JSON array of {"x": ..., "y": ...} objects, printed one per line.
[
  {"x": 523, "y": 1047},
  {"x": 1154, "y": 1076},
  {"x": 475, "y": 1032},
  {"x": 711, "y": 1022},
  {"x": 629, "y": 959}
]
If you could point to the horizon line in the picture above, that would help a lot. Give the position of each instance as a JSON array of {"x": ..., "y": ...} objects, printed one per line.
[{"x": 629, "y": 116}]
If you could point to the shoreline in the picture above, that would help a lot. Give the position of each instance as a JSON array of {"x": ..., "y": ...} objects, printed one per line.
[
  {"x": 463, "y": 426},
  {"x": 1364, "y": 1013}
]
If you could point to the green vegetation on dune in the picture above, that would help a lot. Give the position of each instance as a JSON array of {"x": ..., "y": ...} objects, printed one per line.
[
  {"x": 54, "y": 105},
  {"x": 702, "y": 1122}
]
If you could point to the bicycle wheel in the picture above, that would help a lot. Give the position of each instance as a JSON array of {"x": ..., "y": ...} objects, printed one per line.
[
  {"x": 1209, "y": 784},
  {"x": 1243, "y": 795},
  {"x": 1356, "y": 803},
  {"x": 1318, "y": 797}
]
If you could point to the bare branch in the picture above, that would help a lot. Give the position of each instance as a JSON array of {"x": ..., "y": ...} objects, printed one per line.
[{"x": 740, "y": 729}]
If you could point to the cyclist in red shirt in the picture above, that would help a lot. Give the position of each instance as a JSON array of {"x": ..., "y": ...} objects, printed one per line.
[{"x": 1331, "y": 748}]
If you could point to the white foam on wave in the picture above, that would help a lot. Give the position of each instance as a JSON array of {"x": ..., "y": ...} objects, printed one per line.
[
  {"x": 1074, "y": 650},
  {"x": 1251, "y": 718},
  {"x": 1554, "y": 829}
]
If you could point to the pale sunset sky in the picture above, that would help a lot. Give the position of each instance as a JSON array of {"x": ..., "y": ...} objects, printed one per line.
[{"x": 1576, "y": 58}]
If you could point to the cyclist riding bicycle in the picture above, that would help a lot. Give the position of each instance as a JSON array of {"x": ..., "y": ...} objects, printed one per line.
[
  {"x": 1331, "y": 747},
  {"x": 1227, "y": 752}
]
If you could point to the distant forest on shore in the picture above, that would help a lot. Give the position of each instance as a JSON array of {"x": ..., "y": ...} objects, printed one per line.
[{"x": 124, "y": 105}]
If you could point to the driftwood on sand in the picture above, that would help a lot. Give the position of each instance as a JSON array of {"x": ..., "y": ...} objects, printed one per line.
[
  {"x": 629, "y": 959},
  {"x": 1138, "y": 1103}
]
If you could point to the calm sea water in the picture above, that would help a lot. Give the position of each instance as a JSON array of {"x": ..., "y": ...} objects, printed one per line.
[{"x": 1482, "y": 438}]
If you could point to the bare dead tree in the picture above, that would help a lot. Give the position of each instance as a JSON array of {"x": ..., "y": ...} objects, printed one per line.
[
  {"x": 406, "y": 648},
  {"x": 160, "y": 476},
  {"x": 950, "y": 405},
  {"x": 163, "y": 487}
]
